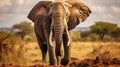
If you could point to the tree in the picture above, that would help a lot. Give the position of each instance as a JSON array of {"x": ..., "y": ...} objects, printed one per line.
[
  {"x": 116, "y": 34},
  {"x": 85, "y": 33},
  {"x": 23, "y": 29},
  {"x": 102, "y": 28}
]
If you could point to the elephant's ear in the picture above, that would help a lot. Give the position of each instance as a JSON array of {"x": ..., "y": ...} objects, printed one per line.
[
  {"x": 78, "y": 13},
  {"x": 39, "y": 11}
]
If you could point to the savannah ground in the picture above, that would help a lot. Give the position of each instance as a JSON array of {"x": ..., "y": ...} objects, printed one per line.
[{"x": 80, "y": 50}]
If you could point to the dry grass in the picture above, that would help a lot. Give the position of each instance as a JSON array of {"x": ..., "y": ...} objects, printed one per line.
[
  {"x": 80, "y": 50},
  {"x": 83, "y": 50}
]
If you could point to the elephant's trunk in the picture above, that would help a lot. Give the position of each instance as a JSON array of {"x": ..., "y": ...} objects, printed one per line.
[
  {"x": 57, "y": 28},
  {"x": 58, "y": 32}
]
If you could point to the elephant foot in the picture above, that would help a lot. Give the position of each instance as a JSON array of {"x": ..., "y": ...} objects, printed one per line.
[
  {"x": 65, "y": 61},
  {"x": 44, "y": 61},
  {"x": 44, "y": 58},
  {"x": 53, "y": 62},
  {"x": 58, "y": 60}
]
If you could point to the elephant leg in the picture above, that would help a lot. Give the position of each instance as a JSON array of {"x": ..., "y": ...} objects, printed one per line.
[
  {"x": 51, "y": 49},
  {"x": 66, "y": 57},
  {"x": 52, "y": 56},
  {"x": 43, "y": 48},
  {"x": 44, "y": 52}
]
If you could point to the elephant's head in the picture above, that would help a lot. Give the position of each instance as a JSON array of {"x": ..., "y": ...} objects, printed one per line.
[{"x": 59, "y": 14}]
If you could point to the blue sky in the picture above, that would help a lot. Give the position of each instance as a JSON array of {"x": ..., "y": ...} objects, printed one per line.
[{"x": 15, "y": 11}]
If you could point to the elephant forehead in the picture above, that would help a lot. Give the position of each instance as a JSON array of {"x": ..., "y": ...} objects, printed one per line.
[{"x": 59, "y": 8}]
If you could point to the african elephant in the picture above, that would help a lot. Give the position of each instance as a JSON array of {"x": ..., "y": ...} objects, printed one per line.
[{"x": 52, "y": 24}]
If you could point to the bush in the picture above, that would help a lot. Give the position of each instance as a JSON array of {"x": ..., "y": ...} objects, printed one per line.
[
  {"x": 99, "y": 52},
  {"x": 75, "y": 35},
  {"x": 11, "y": 48},
  {"x": 84, "y": 34},
  {"x": 88, "y": 36},
  {"x": 107, "y": 38},
  {"x": 30, "y": 38},
  {"x": 93, "y": 37}
]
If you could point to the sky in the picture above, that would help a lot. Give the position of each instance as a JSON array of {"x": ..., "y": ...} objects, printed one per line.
[{"x": 16, "y": 11}]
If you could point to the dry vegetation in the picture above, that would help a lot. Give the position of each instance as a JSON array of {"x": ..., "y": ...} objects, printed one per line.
[
  {"x": 80, "y": 50},
  {"x": 29, "y": 53},
  {"x": 84, "y": 50}
]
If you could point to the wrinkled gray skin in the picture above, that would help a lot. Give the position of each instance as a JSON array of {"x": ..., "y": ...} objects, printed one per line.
[{"x": 52, "y": 23}]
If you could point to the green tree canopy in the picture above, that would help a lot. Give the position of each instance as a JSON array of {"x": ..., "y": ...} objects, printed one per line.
[
  {"x": 85, "y": 33},
  {"x": 102, "y": 28},
  {"x": 116, "y": 33},
  {"x": 23, "y": 28}
]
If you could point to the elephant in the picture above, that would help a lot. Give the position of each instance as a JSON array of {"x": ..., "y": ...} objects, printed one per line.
[{"x": 53, "y": 22}]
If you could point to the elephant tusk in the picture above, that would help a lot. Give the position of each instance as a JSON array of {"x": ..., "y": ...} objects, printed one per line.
[
  {"x": 68, "y": 35},
  {"x": 68, "y": 38},
  {"x": 50, "y": 38}
]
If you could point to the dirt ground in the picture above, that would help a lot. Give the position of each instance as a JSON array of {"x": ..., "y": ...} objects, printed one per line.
[{"x": 98, "y": 62}]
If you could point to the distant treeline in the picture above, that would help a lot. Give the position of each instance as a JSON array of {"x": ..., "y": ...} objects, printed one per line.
[{"x": 100, "y": 31}]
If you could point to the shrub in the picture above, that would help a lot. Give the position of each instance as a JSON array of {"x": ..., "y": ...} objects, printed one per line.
[
  {"x": 11, "y": 48},
  {"x": 84, "y": 33},
  {"x": 99, "y": 52},
  {"x": 30, "y": 38},
  {"x": 75, "y": 35}
]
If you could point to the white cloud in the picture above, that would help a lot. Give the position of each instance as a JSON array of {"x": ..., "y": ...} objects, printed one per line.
[
  {"x": 5, "y": 3},
  {"x": 17, "y": 2},
  {"x": 116, "y": 9},
  {"x": 102, "y": 10},
  {"x": 98, "y": 8},
  {"x": 20, "y": 2},
  {"x": 108, "y": 17}
]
